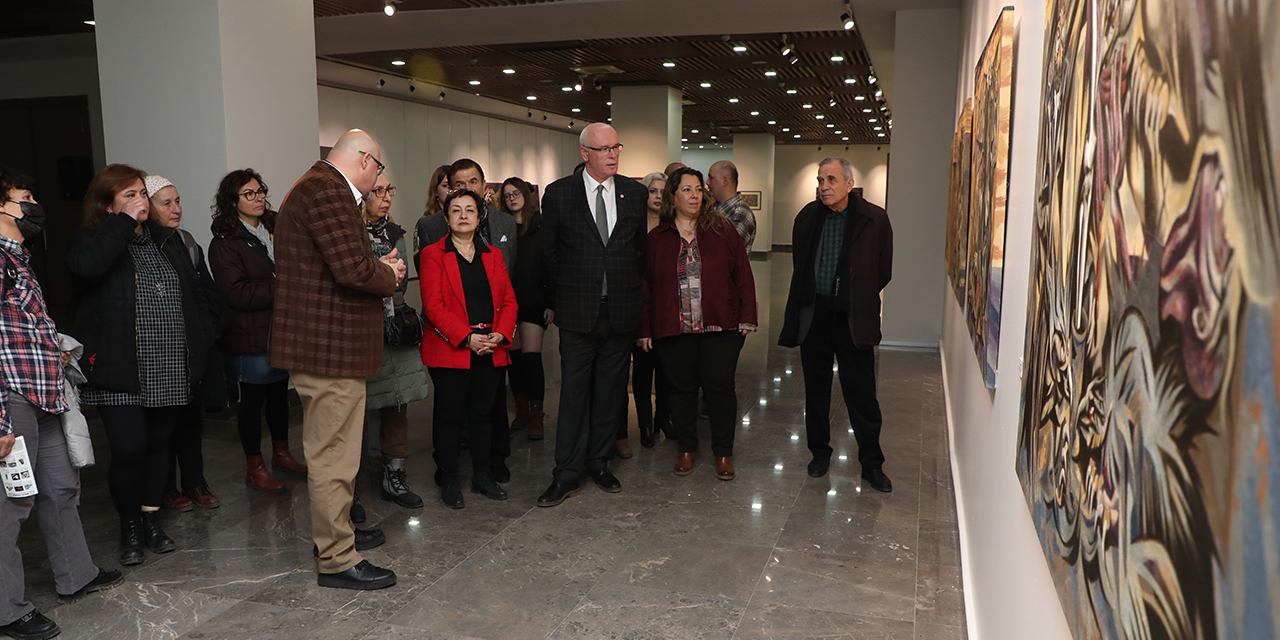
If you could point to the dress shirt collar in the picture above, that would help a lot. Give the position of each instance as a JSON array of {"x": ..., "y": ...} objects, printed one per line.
[
  {"x": 592, "y": 184},
  {"x": 14, "y": 248},
  {"x": 354, "y": 191}
]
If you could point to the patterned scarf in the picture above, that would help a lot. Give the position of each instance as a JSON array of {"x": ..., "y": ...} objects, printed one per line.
[{"x": 379, "y": 236}]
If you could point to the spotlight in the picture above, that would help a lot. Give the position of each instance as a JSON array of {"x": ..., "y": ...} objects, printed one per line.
[
  {"x": 544, "y": 117},
  {"x": 389, "y": 8},
  {"x": 785, "y": 49},
  {"x": 577, "y": 86},
  {"x": 441, "y": 96},
  {"x": 530, "y": 114},
  {"x": 846, "y": 18},
  {"x": 381, "y": 83},
  {"x": 412, "y": 87},
  {"x": 570, "y": 124},
  {"x": 793, "y": 59},
  {"x": 596, "y": 84}
]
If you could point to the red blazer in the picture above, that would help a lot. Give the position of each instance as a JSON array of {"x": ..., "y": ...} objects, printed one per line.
[
  {"x": 728, "y": 288},
  {"x": 446, "y": 307}
]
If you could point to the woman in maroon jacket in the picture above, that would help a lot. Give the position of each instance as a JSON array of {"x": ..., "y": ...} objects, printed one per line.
[
  {"x": 242, "y": 259},
  {"x": 698, "y": 303},
  {"x": 471, "y": 317}
]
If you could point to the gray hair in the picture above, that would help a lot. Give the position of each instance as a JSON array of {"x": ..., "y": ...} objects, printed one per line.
[
  {"x": 656, "y": 175},
  {"x": 846, "y": 167}
]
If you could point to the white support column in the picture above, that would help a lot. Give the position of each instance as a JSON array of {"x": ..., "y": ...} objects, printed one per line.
[
  {"x": 194, "y": 88},
  {"x": 648, "y": 120},
  {"x": 753, "y": 156}
]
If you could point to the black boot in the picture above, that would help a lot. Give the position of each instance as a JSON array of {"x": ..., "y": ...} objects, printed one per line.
[
  {"x": 482, "y": 482},
  {"x": 646, "y": 434},
  {"x": 451, "y": 493},
  {"x": 131, "y": 542},
  {"x": 155, "y": 537}
]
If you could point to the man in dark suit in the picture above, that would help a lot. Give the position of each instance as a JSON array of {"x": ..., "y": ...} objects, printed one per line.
[
  {"x": 327, "y": 331},
  {"x": 594, "y": 231},
  {"x": 843, "y": 258},
  {"x": 498, "y": 229}
]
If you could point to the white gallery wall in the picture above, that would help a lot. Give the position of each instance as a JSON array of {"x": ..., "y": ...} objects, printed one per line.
[
  {"x": 416, "y": 138},
  {"x": 702, "y": 159},
  {"x": 796, "y": 179},
  {"x": 1009, "y": 593}
]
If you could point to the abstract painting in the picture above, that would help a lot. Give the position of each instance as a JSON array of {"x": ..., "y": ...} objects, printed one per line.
[
  {"x": 1149, "y": 445},
  {"x": 957, "y": 251},
  {"x": 989, "y": 191}
]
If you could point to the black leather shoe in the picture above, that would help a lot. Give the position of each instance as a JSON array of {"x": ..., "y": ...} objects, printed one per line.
[
  {"x": 366, "y": 539},
  {"x": 33, "y": 626},
  {"x": 606, "y": 480},
  {"x": 357, "y": 510},
  {"x": 818, "y": 467},
  {"x": 364, "y": 576},
  {"x": 647, "y": 439},
  {"x": 156, "y": 539},
  {"x": 557, "y": 492},
  {"x": 105, "y": 579},
  {"x": 131, "y": 542},
  {"x": 484, "y": 485},
  {"x": 451, "y": 494},
  {"x": 500, "y": 472},
  {"x": 878, "y": 480}
]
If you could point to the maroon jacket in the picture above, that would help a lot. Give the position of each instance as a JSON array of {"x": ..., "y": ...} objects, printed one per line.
[
  {"x": 247, "y": 280},
  {"x": 728, "y": 288}
]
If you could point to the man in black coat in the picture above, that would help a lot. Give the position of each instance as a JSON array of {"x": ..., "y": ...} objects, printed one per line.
[
  {"x": 594, "y": 232},
  {"x": 843, "y": 258}
]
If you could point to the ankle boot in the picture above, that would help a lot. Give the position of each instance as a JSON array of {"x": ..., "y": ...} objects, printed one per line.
[
  {"x": 451, "y": 493},
  {"x": 259, "y": 478},
  {"x": 131, "y": 542},
  {"x": 535, "y": 421},
  {"x": 154, "y": 536},
  {"x": 522, "y": 412},
  {"x": 395, "y": 487},
  {"x": 647, "y": 439},
  {"x": 282, "y": 459},
  {"x": 483, "y": 484}
]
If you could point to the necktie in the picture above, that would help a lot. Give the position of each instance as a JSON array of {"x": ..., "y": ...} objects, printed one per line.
[{"x": 602, "y": 223}]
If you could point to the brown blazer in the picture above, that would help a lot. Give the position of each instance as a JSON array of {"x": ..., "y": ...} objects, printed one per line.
[{"x": 329, "y": 286}]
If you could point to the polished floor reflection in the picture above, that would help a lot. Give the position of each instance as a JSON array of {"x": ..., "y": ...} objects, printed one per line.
[{"x": 772, "y": 554}]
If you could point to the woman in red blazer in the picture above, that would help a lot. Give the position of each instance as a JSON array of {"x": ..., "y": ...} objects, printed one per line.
[
  {"x": 698, "y": 303},
  {"x": 471, "y": 316}
]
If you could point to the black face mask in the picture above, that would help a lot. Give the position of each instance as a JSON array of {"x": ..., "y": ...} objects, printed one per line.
[{"x": 31, "y": 224}]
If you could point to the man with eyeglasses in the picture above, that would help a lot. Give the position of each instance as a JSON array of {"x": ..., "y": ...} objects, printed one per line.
[
  {"x": 327, "y": 331},
  {"x": 594, "y": 230},
  {"x": 498, "y": 229}
]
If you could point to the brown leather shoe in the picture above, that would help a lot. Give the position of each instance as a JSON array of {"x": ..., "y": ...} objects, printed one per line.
[
  {"x": 724, "y": 467},
  {"x": 173, "y": 500},
  {"x": 684, "y": 464},
  {"x": 535, "y": 421},
  {"x": 282, "y": 459},
  {"x": 202, "y": 498},
  {"x": 623, "y": 448},
  {"x": 259, "y": 478}
]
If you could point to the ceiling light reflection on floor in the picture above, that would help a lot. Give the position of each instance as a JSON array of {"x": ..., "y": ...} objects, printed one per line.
[
  {"x": 756, "y": 505},
  {"x": 831, "y": 492},
  {"x": 844, "y": 457},
  {"x": 795, "y": 437}
]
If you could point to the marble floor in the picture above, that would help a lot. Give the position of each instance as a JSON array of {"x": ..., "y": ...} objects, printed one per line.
[{"x": 772, "y": 554}]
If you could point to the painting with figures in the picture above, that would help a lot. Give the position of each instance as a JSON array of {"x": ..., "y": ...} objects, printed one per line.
[
  {"x": 1150, "y": 426},
  {"x": 957, "y": 249}
]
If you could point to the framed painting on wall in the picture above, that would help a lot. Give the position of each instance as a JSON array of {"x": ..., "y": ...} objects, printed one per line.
[
  {"x": 1147, "y": 449},
  {"x": 989, "y": 192},
  {"x": 751, "y": 199},
  {"x": 957, "y": 249}
]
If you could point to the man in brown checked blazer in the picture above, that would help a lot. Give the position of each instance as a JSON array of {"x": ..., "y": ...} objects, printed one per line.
[{"x": 327, "y": 331}]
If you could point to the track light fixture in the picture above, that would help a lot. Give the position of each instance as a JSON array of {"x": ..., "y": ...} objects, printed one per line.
[
  {"x": 530, "y": 114},
  {"x": 382, "y": 82},
  {"x": 793, "y": 59},
  {"x": 412, "y": 87},
  {"x": 785, "y": 48},
  {"x": 389, "y": 7},
  {"x": 441, "y": 96},
  {"x": 544, "y": 117},
  {"x": 596, "y": 84},
  {"x": 846, "y": 18},
  {"x": 570, "y": 124}
]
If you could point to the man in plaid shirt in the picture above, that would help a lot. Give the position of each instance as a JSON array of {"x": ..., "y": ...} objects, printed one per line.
[
  {"x": 30, "y": 399},
  {"x": 722, "y": 180}
]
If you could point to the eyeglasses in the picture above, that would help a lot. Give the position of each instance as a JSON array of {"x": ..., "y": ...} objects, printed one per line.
[
  {"x": 381, "y": 167},
  {"x": 388, "y": 192},
  {"x": 254, "y": 195},
  {"x": 512, "y": 196},
  {"x": 617, "y": 148}
]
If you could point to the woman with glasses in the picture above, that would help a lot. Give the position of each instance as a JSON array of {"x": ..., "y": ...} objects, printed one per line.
[
  {"x": 145, "y": 325},
  {"x": 528, "y": 380},
  {"x": 698, "y": 303},
  {"x": 402, "y": 378},
  {"x": 471, "y": 319},
  {"x": 242, "y": 258}
]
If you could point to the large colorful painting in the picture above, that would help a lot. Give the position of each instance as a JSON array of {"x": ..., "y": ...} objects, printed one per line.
[
  {"x": 989, "y": 191},
  {"x": 1149, "y": 449},
  {"x": 957, "y": 251}
]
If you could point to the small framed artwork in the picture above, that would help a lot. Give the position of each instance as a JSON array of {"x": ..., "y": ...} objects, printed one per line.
[{"x": 752, "y": 199}]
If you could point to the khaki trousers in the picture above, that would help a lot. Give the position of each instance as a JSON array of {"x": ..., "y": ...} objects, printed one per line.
[{"x": 332, "y": 426}]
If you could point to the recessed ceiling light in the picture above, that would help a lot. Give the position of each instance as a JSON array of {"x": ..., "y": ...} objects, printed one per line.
[
  {"x": 90, "y": 22},
  {"x": 508, "y": 71},
  {"x": 879, "y": 93},
  {"x": 398, "y": 63},
  {"x": 845, "y": 138},
  {"x": 474, "y": 83},
  {"x": 859, "y": 97},
  {"x": 878, "y": 128},
  {"x": 796, "y": 136},
  {"x": 851, "y": 81},
  {"x": 609, "y": 120},
  {"x": 866, "y": 110},
  {"x": 755, "y": 113},
  {"x": 819, "y": 116},
  {"x": 773, "y": 122},
  {"x": 830, "y": 126},
  {"x": 739, "y": 48},
  {"x": 734, "y": 100},
  {"x": 770, "y": 73},
  {"x": 701, "y": 147},
  {"x": 684, "y": 139},
  {"x": 838, "y": 132},
  {"x": 609, "y": 103},
  {"x": 879, "y": 135},
  {"x": 576, "y": 110},
  {"x": 668, "y": 64},
  {"x": 837, "y": 58},
  {"x": 531, "y": 97},
  {"x": 786, "y": 129},
  {"x": 693, "y": 131},
  {"x": 871, "y": 119},
  {"x": 566, "y": 88},
  {"x": 705, "y": 85}
]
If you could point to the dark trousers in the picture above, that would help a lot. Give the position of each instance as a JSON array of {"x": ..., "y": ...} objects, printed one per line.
[
  {"x": 527, "y": 377},
  {"x": 275, "y": 396},
  {"x": 706, "y": 361},
  {"x": 593, "y": 372},
  {"x": 829, "y": 338},
  {"x": 139, "y": 442},
  {"x": 186, "y": 449},
  {"x": 462, "y": 394},
  {"x": 499, "y": 421},
  {"x": 649, "y": 377}
]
